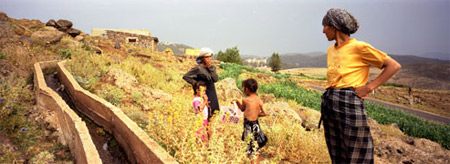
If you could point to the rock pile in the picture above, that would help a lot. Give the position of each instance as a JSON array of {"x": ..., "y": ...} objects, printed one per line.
[{"x": 64, "y": 26}]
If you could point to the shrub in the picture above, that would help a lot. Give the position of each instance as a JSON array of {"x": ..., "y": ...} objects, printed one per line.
[
  {"x": 65, "y": 54},
  {"x": 275, "y": 62},
  {"x": 231, "y": 55},
  {"x": 2, "y": 56},
  {"x": 112, "y": 94}
]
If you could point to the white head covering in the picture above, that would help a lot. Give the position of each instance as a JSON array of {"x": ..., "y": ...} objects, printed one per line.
[{"x": 205, "y": 52}]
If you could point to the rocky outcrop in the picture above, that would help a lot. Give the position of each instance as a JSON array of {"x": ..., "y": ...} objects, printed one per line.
[
  {"x": 130, "y": 85},
  {"x": 3, "y": 16},
  {"x": 226, "y": 89},
  {"x": 310, "y": 117},
  {"x": 47, "y": 36},
  {"x": 391, "y": 146},
  {"x": 51, "y": 23},
  {"x": 121, "y": 79},
  {"x": 280, "y": 110},
  {"x": 73, "y": 32},
  {"x": 64, "y": 26}
]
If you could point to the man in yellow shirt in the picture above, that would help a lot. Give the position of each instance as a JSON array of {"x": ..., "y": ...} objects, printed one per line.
[{"x": 347, "y": 132}]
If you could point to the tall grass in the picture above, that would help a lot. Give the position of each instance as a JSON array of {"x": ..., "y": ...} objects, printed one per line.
[{"x": 16, "y": 101}]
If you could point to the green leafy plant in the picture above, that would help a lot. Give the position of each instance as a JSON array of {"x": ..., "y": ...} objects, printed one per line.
[
  {"x": 2, "y": 56},
  {"x": 112, "y": 94}
]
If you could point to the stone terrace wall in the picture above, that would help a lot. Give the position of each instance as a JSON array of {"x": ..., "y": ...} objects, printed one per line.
[
  {"x": 139, "y": 147},
  {"x": 74, "y": 130},
  {"x": 142, "y": 40}
]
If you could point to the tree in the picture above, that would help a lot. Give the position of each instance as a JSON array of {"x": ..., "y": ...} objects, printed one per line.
[
  {"x": 231, "y": 55},
  {"x": 275, "y": 62}
]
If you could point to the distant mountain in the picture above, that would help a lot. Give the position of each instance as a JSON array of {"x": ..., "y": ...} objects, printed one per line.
[
  {"x": 410, "y": 59},
  {"x": 299, "y": 60},
  {"x": 177, "y": 49},
  {"x": 319, "y": 59},
  {"x": 437, "y": 55}
]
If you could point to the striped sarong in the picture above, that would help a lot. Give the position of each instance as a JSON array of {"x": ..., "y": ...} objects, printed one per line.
[{"x": 347, "y": 132}]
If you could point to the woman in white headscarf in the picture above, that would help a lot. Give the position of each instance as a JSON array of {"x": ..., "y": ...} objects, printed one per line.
[
  {"x": 205, "y": 72},
  {"x": 347, "y": 132}
]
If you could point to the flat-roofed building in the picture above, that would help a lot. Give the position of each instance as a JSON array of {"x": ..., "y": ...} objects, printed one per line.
[{"x": 136, "y": 37}]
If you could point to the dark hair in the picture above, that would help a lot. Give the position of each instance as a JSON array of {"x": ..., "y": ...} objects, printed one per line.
[
  {"x": 199, "y": 60},
  {"x": 251, "y": 85},
  {"x": 196, "y": 85}
]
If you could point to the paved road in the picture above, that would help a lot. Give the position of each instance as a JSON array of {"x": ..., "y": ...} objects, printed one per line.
[{"x": 425, "y": 115}]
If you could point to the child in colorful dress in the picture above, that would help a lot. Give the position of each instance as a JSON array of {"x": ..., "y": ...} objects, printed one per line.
[{"x": 200, "y": 103}]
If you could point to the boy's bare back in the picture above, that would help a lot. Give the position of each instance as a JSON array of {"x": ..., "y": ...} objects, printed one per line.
[{"x": 253, "y": 107}]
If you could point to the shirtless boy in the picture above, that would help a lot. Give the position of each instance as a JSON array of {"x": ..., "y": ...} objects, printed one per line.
[{"x": 252, "y": 107}]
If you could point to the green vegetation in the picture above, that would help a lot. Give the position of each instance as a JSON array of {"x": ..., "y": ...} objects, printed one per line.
[
  {"x": 112, "y": 94},
  {"x": 231, "y": 55},
  {"x": 409, "y": 124},
  {"x": 65, "y": 53},
  {"x": 234, "y": 70},
  {"x": 395, "y": 85},
  {"x": 16, "y": 101},
  {"x": 2, "y": 56},
  {"x": 275, "y": 62}
]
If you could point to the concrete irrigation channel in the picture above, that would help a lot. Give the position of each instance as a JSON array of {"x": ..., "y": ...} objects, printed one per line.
[{"x": 95, "y": 130}]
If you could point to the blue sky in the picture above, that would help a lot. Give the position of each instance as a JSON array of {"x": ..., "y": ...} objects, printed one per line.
[{"x": 408, "y": 27}]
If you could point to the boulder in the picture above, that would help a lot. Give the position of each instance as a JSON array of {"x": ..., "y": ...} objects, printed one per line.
[
  {"x": 25, "y": 40},
  {"x": 47, "y": 37},
  {"x": 3, "y": 16},
  {"x": 281, "y": 110},
  {"x": 155, "y": 95},
  {"x": 310, "y": 118},
  {"x": 51, "y": 23},
  {"x": 63, "y": 25},
  {"x": 97, "y": 50},
  {"x": 227, "y": 89},
  {"x": 121, "y": 79},
  {"x": 73, "y": 32},
  {"x": 79, "y": 38}
]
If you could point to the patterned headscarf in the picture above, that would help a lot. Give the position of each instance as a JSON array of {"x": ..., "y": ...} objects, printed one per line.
[{"x": 342, "y": 20}]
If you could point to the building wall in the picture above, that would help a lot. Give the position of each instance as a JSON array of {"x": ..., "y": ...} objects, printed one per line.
[
  {"x": 100, "y": 32},
  {"x": 138, "y": 38},
  {"x": 132, "y": 39},
  {"x": 192, "y": 52}
]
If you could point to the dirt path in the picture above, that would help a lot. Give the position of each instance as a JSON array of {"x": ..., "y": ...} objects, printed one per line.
[{"x": 417, "y": 112}]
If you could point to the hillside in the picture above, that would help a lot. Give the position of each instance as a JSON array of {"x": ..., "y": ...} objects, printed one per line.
[
  {"x": 147, "y": 86},
  {"x": 417, "y": 72},
  {"x": 318, "y": 59},
  {"x": 178, "y": 49}
]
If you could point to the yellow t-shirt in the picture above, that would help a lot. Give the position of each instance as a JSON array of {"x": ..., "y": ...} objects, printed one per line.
[{"x": 349, "y": 64}]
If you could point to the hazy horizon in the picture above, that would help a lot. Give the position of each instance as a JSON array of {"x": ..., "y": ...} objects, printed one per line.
[{"x": 258, "y": 28}]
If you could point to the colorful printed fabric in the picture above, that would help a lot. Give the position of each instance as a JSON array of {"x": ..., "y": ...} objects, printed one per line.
[
  {"x": 347, "y": 132},
  {"x": 253, "y": 127}
]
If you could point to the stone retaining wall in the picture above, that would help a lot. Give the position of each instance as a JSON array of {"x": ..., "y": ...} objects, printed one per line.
[
  {"x": 73, "y": 130},
  {"x": 138, "y": 145}
]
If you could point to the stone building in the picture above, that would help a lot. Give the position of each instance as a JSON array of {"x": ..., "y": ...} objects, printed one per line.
[
  {"x": 138, "y": 38},
  {"x": 256, "y": 62}
]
